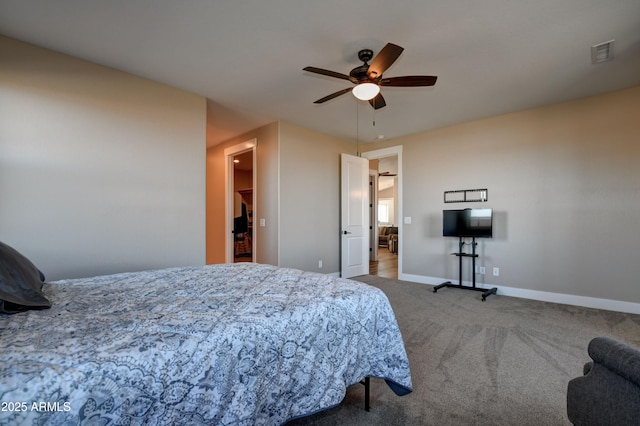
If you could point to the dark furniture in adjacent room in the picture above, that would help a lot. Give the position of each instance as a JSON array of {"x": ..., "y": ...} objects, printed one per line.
[
  {"x": 609, "y": 391},
  {"x": 386, "y": 233}
]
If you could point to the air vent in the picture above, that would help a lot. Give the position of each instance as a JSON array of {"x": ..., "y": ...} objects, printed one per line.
[{"x": 602, "y": 52}]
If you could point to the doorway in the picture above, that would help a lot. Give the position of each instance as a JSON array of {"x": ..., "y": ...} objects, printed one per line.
[
  {"x": 386, "y": 211},
  {"x": 241, "y": 202}
]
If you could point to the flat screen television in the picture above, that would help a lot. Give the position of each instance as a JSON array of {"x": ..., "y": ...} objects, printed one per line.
[{"x": 467, "y": 223}]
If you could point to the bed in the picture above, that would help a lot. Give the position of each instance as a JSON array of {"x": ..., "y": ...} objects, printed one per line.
[{"x": 238, "y": 344}]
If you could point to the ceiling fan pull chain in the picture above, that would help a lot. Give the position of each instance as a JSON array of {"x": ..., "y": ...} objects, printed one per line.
[{"x": 357, "y": 129}]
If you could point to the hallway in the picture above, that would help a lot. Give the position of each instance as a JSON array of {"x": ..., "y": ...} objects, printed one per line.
[{"x": 386, "y": 266}]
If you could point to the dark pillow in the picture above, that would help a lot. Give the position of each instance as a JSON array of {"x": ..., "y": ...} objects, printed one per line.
[{"x": 20, "y": 283}]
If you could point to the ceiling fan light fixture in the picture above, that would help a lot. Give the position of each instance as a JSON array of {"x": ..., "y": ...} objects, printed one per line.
[{"x": 366, "y": 91}]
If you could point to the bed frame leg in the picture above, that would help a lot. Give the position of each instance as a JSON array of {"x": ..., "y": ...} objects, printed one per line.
[{"x": 366, "y": 382}]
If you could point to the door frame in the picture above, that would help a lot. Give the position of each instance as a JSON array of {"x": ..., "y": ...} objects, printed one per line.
[
  {"x": 229, "y": 153},
  {"x": 391, "y": 152},
  {"x": 373, "y": 215}
]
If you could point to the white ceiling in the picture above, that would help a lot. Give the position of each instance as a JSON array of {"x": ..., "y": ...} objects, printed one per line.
[{"x": 246, "y": 56}]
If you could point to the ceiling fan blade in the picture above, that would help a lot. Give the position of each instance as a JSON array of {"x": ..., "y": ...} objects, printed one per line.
[
  {"x": 378, "y": 102},
  {"x": 409, "y": 81},
  {"x": 333, "y": 95},
  {"x": 383, "y": 60},
  {"x": 327, "y": 73}
]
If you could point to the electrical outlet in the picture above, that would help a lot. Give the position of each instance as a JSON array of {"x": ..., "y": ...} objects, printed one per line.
[
  {"x": 482, "y": 270},
  {"x": 262, "y": 222},
  {"x": 496, "y": 272},
  {"x": 320, "y": 264}
]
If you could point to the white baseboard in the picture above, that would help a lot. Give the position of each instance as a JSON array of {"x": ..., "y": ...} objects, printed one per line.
[{"x": 544, "y": 296}]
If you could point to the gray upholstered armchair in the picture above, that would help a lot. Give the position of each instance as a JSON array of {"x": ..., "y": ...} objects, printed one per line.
[{"x": 609, "y": 391}]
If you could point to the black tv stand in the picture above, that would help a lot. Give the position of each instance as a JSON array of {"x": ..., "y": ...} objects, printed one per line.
[{"x": 485, "y": 292}]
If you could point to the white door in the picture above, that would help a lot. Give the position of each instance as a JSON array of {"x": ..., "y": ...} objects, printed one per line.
[{"x": 354, "y": 196}]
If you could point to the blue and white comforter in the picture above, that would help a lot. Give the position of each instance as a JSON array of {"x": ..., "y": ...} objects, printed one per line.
[{"x": 239, "y": 344}]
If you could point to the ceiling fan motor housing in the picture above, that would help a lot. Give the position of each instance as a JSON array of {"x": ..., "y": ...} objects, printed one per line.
[
  {"x": 360, "y": 73},
  {"x": 365, "y": 55}
]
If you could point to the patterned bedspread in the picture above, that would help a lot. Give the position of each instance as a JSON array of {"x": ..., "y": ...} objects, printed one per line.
[{"x": 239, "y": 344}]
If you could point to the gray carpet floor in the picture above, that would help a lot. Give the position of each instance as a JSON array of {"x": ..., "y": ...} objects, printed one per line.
[{"x": 505, "y": 361}]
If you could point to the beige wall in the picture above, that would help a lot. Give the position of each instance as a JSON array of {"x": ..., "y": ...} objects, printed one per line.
[
  {"x": 310, "y": 198},
  {"x": 100, "y": 171},
  {"x": 266, "y": 194},
  {"x": 298, "y": 196},
  {"x": 563, "y": 183}
]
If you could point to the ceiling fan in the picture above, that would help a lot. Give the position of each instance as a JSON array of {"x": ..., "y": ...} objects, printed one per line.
[{"x": 368, "y": 78}]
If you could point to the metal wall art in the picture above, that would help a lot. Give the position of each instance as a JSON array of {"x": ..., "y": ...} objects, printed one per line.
[{"x": 466, "y": 195}]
